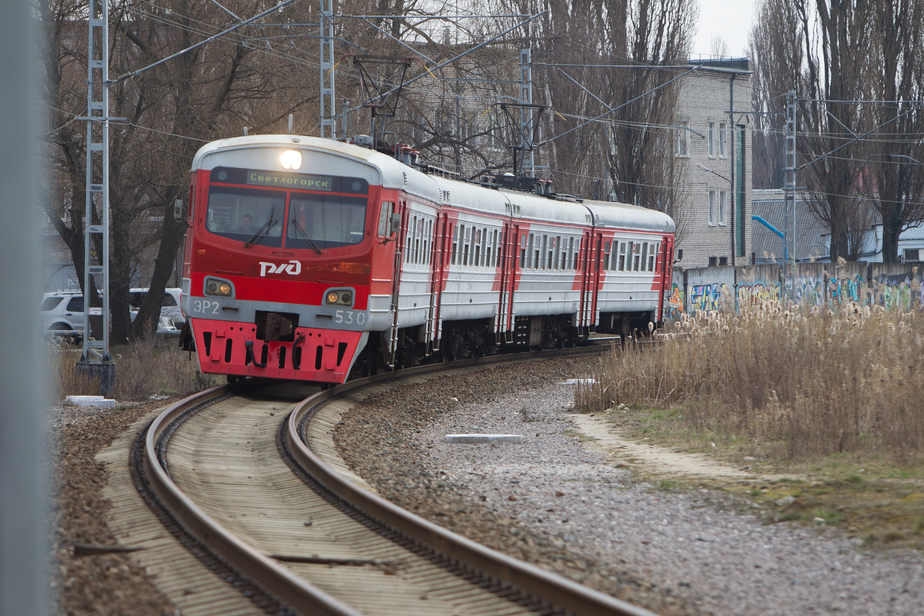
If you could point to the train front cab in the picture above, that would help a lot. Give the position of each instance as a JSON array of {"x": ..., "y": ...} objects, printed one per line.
[{"x": 289, "y": 300}]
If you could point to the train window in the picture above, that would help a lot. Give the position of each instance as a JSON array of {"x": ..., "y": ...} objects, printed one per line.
[
  {"x": 644, "y": 256},
  {"x": 540, "y": 255},
  {"x": 466, "y": 243},
  {"x": 636, "y": 257},
  {"x": 455, "y": 243},
  {"x": 606, "y": 256},
  {"x": 622, "y": 256},
  {"x": 428, "y": 245},
  {"x": 529, "y": 252},
  {"x": 246, "y": 214},
  {"x": 651, "y": 257},
  {"x": 576, "y": 252},
  {"x": 476, "y": 248},
  {"x": 325, "y": 221},
  {"x": 384, "y": 216}
]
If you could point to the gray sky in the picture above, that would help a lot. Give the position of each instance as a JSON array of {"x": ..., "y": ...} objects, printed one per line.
[{"x": 729, "y": 19}]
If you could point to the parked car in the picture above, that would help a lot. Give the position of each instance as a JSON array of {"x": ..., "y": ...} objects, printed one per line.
[
  {"x": 170, "y": 312},
  {"x": 62, "y": 311}
]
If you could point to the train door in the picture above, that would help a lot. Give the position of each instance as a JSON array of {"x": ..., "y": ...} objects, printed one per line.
[
  {"x": 508, "y": 276},
  {"x": 400, "y": 240},
  {"x": 667, "y": 271},
  {"x": 591, "y": 245},
  {"x": 439, "y": 270}
]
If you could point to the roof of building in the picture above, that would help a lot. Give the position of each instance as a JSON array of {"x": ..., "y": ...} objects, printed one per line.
[
  {"x": 767, "y": 246},
  {"x": 724, "y": 64}
]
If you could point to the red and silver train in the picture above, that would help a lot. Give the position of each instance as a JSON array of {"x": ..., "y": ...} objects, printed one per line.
[{"x": 315, "y": 259}]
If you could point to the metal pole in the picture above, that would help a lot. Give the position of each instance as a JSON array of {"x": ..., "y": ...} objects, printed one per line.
[
  {"x": 526, "y": 114},
  {"x": 328, "y": 111},
  {"x": 733, "y": 198},
  {"x": 24, "y": 525},
  {"x": 95, "y": 361},
  {"x": 789, "y": 183}
]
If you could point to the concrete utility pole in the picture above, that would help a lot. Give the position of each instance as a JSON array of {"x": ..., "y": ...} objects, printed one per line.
[{"x": 24, "y": 521}]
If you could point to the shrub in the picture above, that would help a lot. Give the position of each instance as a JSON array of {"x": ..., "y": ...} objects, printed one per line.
[{"x": 822, "y": 382}]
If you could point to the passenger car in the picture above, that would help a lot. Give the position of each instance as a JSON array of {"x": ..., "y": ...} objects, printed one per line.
[
  {"x": 170, "y": 307},
  {"x": 62, "y": 311}
]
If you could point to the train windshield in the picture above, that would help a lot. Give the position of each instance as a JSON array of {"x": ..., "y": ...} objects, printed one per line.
[
  {"x": 252, "y": 216},
  {"x": 318, "y": 221},
  {"x": 297, "y": 211}
]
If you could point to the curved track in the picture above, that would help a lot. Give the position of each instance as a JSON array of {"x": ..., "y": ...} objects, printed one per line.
[{"x": 249, "y": 479}]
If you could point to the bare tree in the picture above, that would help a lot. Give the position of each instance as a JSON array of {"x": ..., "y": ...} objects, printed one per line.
[
  {"x": 855, "y": 66},
  {"x": 203, "y": 94},
  {"x": 777, "y": 53},
  {"x": 898, "y": 190},
  {"x": 643, "y": 167}
]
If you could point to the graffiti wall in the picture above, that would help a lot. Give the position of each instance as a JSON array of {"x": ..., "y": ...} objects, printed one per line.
[
  {"x": 756, "y": 284},
  {"x": 893, "y": 286},
  {"x": 711, "y": 288},
  {"x": 676, "y": 302}
]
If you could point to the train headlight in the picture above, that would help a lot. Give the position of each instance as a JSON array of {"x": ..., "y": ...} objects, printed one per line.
[
  {"x": 291, "y": 159},
  {"x": 218, "y": 288},
  {"x": 339, "y": 297}
]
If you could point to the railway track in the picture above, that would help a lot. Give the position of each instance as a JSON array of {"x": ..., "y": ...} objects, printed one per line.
[{"x": 248, "y": 480}]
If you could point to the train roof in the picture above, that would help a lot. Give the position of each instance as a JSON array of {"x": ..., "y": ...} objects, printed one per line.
[
  {"x": 349, "y": 160},
  {"x": 382, "y": 169}
]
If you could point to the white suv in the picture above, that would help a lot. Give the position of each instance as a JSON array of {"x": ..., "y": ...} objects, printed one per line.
[
  {"x": 62, "y": 311},
  {"x": 170, "y": 312}
]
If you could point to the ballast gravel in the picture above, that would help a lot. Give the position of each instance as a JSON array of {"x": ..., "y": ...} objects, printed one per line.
[{"x": 549, "y": 501}]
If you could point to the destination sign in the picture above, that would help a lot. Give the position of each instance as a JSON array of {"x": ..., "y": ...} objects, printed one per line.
[
  {"x": 289, "y": 181},
  {"x": 283, "y": 180}
]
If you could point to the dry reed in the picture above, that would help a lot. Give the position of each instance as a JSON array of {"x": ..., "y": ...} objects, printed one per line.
[
  {"x": 817, "y": 381},
  {"x": 144, "y": 369}
]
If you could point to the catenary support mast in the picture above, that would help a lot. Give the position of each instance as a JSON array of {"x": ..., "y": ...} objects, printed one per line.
[{"x": 96, "y": 359}]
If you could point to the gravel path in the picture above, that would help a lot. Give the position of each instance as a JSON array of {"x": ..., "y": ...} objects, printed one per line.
[{"x": 550, "y": 501}]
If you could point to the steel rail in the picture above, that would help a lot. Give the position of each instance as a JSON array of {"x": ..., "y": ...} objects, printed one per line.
[
  {"x": 301, "y": 596},
  {"x": 270, "y": 575},
  {"x": 539, "y": 583}
]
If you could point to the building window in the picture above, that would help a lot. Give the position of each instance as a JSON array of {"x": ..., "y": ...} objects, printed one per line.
[
  {"x": 712, "y": 208},
  {"x": 683, "y": 140},
  {"x": 711, "y": 138},
  {"x": 723, "y": 140},
  {"x": 722, "y": 208}
]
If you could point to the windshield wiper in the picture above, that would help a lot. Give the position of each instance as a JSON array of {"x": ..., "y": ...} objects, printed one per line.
[
  {"x": 262, "y": 231},
  {"x": 305, "y": 235}
]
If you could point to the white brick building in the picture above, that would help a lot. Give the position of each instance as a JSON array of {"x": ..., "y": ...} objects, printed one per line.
[{"x": 716, "y": 144}]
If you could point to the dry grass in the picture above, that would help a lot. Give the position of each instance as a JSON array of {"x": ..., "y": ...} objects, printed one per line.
[
  {"x": 143, "y": 369},
  {"x": 813, "y": 383}
]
